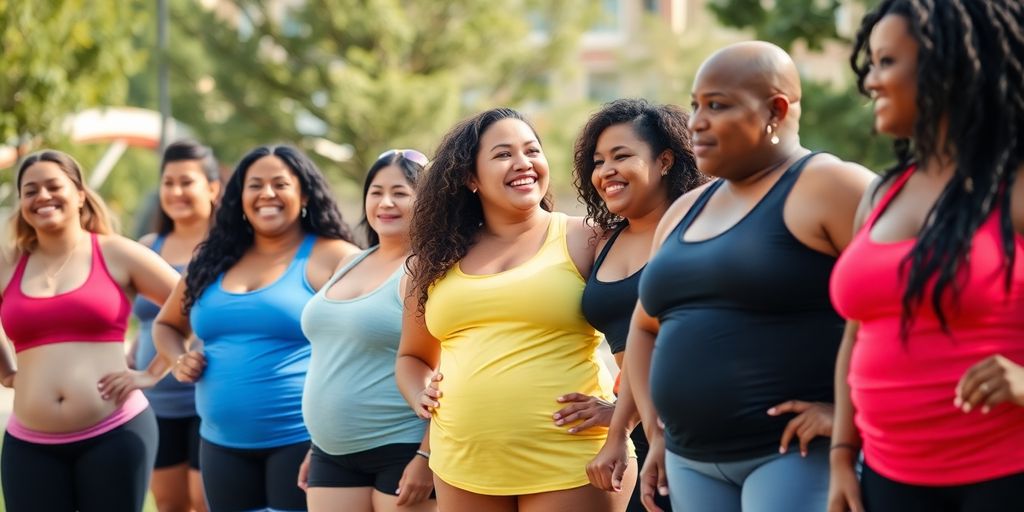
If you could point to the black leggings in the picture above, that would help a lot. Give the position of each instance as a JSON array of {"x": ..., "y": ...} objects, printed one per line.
[
  {"x": 997, "y": 495},
  {"x": 106, "y": 473},
  {"x": 238, "y": 479}
]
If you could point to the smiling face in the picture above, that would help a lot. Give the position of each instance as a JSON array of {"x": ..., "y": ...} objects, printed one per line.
[
  {"x": 892, "y": 78},
  {"x": 626, "y": 175},
  {"x": 511, "y": 170},
  {"x": 272, "y": 197},
  {"x": 389, "y": 203},
  {"x": 185, "y": 192},
  {"x": 49, "y": 199}
]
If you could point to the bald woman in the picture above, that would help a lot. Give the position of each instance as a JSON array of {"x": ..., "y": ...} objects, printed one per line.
[{"x": 733, "y": 344}]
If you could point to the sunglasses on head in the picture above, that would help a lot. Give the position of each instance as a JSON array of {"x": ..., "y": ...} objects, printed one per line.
[{"x": 409, "y": 154}]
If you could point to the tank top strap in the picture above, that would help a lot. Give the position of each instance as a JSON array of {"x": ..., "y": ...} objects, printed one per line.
[
  {"x": 307, "y": 247},
  {"x": 158, "y": 243},
  {"x": 348, "y": 266},
  {"x": 887, "y": 198},
  {"x": 695, "y": 210},
  {"x": 608, "y": 247},
  {"x": 14, "y": 286},
  {"x": 780, "y": 191}
]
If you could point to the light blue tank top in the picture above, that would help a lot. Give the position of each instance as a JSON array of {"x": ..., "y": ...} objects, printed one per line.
[
  {"x": 250, "y": 395},
  {"x": 351, "y": 403},
  {"x": 169, "y": 398}
]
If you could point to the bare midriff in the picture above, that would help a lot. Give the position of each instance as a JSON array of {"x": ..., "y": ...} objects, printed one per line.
[{"x": 55, "y": 390}]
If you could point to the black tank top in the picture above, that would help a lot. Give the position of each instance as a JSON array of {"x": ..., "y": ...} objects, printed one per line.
[
  {"x": 608, "y": 306},
  {"x": 746, "y": 323}
]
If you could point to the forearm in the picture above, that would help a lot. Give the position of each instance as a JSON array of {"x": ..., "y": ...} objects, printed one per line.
[
  {"x": 170, "y": 343},
  {"x": 637, "y": 378},
  {"x": 412, "y": 375},
  {"x": 626, "y": 415},
  {"x": 8, "y": 366},
  {"x": 844, "y": 432}
]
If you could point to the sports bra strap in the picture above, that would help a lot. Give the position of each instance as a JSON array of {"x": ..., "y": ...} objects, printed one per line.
[
  {"x": 608, "y": 246},
  {"x": 889, "y": 195}
]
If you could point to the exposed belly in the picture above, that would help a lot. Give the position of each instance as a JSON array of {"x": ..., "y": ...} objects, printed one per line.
[{"x": 55, "y": 390}]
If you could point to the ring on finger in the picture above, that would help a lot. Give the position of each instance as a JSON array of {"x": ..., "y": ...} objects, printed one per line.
[{"x": 984, "y": 387}]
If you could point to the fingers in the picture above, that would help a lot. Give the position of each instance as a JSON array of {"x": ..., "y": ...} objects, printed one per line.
[
  {"x": 789, "y": 432},
  {"x": 573, "y": 413},
  {"x": 618, "y": 470},
  {"x": 596, "y": 420},
  {"x": 112, "y": 386},
  {"x": 575, "y": 397},
  {"x": 806, "y": 432},
  {"x": 403, "y": 492},
  {"x": 978, "y": 383},
  {"x": 647, "y": 490},
  {"x": 796, "y": 406},
  {"x": 303, "y": 479},
  {"x": 189, "y": 366}
]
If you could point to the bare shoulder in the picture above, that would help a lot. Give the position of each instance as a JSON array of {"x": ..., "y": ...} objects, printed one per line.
[
  {"x": 833, "y": 175},
  {"x": 333, "y": 248},
  {"x": 120, "y": 247},
  {"x": 345, "y": 260},
  {"x": 148, "y": 239},
  {"x": 676, "y": 211}
]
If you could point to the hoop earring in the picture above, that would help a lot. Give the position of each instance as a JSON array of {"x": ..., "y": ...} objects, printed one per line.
[{"x": 774, "y": 136}]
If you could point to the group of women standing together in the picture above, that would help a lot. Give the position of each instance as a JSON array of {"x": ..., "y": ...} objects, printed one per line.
[{"x": 453, "y": 363}]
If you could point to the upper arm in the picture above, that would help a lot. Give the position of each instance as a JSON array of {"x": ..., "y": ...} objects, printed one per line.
[
  {"x": 581, "y": 238},
  {"x": 171, "y": 313},
  {"x": 839, "y": 188},
  {"x": 147, "y": 273},
  {"x": 416, "y": 340},
  {"x": 324, "y": 260}
]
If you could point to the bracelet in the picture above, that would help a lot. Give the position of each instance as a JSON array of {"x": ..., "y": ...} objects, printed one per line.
[
  {"x": 424, "y": 454},
  {"x": 845, "y": 446}
]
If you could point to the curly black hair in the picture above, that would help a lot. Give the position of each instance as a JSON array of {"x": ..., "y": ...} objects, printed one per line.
[
  {"x": 448, "y": 216},
  {"x": 231, "y": 236},
  {"x": 970, "y": 71},
  {"x": 661, "y": 127},
  {"x": 410, "y": 169}
]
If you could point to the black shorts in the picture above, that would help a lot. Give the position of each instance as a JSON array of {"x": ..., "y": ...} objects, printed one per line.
[
  {"x": 238, "y": 479},
  {"x": 380, "y": 468},
  {"x": 997, "y": 495},
  {"x": 179, "y": 442}
]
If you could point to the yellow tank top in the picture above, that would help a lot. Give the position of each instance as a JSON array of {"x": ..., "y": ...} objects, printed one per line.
[{"x": 511, "y": 343}]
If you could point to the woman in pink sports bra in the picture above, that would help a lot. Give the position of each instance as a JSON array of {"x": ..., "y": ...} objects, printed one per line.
[
  {"x": 929, "y": 378},
  {"x": 82, "y": 435}
]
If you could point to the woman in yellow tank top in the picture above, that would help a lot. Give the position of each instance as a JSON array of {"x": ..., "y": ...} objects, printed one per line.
[{"x": 494, "y": 308}]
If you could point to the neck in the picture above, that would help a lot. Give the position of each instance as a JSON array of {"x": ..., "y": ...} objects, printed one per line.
[
  {"x": 59, "y": 242},
  {"x": 779, "y": 160},
  {"x": 648, "y": 221},
  {"x": 277, "y": 244},
  {"x": 504, "y": 226},
  {"x": 394, "y": 247},
  {"x": 191, "y": 229}
]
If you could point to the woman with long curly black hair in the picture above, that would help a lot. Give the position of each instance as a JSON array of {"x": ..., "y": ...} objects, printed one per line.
[
  {"x": 929, "y": 382},
  {"x": 276, "y": 239},
  {"x": 494, "y": 306},
  {"x": 631, "y": 161}
]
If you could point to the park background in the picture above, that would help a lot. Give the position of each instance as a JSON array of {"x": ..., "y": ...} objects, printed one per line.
[{"x": 345, "y": 80}]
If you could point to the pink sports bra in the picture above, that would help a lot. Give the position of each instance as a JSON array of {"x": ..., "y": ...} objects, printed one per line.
[{"x": 97, "y": 311}]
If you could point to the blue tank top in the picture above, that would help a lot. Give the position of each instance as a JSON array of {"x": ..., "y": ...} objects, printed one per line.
[
  {"x": 746, "y": 323},
  {"x": 250, "y": 395},
  {"x": 169, "y": 398},
  {"x": 352, "y": 403}
]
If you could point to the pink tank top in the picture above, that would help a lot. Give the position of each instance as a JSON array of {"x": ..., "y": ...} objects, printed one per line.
[
  {"x": 903, "y": 391},
  {"x": 97, "y": 311}
]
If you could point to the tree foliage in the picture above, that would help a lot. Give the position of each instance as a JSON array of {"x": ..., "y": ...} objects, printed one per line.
[
  {"x": 59, "y": 56},
  {"x": 372, "y": 74}
]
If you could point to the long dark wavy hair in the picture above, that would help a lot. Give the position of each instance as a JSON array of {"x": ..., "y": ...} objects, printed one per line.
[
  {"x": 231, "y": 235},
  {"x": 180, "y": 151},
  {"x": 411, "y": 170},
  {"x": 661, "y": 127},
  {"x": 970, "y": 71},
  {"x": 448, "y": 216}
]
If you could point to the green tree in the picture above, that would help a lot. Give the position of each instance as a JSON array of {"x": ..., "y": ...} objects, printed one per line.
[
  {"x": 57, "y": 56},
  {"x": 370, "y": 74}
]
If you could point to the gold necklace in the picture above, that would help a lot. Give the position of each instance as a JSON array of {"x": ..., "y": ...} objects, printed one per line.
[{"x": 51, "y": 277}]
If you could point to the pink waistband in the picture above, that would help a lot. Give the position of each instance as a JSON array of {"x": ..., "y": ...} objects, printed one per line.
[{"x": 131, "y": 408}]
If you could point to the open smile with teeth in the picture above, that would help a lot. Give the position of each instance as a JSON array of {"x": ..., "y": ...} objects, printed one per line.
[
  {"x": 44, "y": 210},
  {"x": 614, "y": 187},
  {"x": 524, "y": 181},
  {"x": 266, "y": 211}
]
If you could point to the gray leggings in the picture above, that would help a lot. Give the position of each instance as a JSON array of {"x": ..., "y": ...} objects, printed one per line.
[{"x": 774, "y": 483}]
